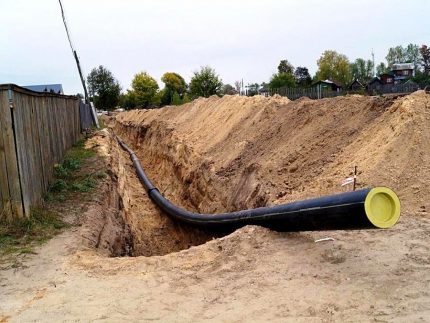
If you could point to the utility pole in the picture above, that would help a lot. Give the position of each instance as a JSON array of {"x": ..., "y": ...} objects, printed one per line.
[{"x": 75, "y": 56}]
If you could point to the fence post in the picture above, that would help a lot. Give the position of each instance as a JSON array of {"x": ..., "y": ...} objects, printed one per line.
[{"x": 10, "y": 156}]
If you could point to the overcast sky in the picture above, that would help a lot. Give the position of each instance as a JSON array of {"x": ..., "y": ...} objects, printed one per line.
[{"x": 240, "y": 39}]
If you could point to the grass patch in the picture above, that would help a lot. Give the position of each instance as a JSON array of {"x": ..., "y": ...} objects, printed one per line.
[
  {"x": 84, "y": 185},
  {"x": 79, "y": 152},
  {"x": 20, "y": 236},
  {"x": 69, "y": 177}
]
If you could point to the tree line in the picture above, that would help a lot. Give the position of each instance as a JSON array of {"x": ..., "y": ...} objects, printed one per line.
[
  {"x": 337, "y": 67},
  {"x": 105, "y": 90}
]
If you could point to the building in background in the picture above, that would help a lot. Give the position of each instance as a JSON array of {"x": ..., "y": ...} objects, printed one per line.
[
  {"x": 324, "y": 85},
  {"x": 356, "y": 86},
  {"x": 402, "y": 71},
  {"x": 387, "y": 78},
  {"x": 50, "y": 88}
]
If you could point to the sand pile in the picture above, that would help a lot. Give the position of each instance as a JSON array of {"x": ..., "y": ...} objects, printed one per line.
[{"x": 234, "y": 152}]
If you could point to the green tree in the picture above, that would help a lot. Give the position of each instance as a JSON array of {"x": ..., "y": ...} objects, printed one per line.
[
  {"x": 228, "y": 89},
  {"x": 333, "y": 66},
  {"x": 395, "y": 55},
  {"x": 400, "y": 54},
  {"x": 178, "y": 99},
  {"x": 144, "y": 90},
  {"x": 103, "y": 88},
  {"x": 127, "y": 100},
  {"x": 422, "y": 79},
  {"x": 412, "y": 55},
  {"x": 205, "y": 82},
  {"x": 362, "y": 70},
  {"x": 282, "y": 80},
  {"x": 381, "y": 68},
  {"x": 425, "y": 58},
  {"x": 285, "y": 67},
  {"x": 185, "y": 98},
  {"x": 173, "y": 83},
  {"x": 302, "y": 76}
]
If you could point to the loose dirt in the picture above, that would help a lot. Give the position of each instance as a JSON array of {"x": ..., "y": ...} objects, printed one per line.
[
  {"x": 235, "y": 152},
  {"x": 225, "y": 154}
]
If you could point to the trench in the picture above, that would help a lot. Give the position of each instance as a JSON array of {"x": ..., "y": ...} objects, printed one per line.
[
  {"x": 134, "y": 226},
  {"x": 126, "y": 223}
]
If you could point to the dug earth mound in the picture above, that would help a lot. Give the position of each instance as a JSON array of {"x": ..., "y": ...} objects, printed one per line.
[
  {"x": 231, "y": 153},
  {"x": 224, "y": 154}
]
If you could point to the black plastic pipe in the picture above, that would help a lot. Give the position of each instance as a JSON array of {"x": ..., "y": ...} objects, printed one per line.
[{"x": 367, "y": 208}]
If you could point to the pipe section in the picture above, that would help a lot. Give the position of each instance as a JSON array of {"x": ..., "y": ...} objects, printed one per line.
[{"x": 377, "y": 207}]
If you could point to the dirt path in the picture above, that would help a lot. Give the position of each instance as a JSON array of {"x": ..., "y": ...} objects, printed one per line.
[{"x": 253, "y": 274}]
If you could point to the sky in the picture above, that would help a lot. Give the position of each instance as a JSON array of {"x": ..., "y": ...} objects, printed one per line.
[{"x": 240, "y": 39}]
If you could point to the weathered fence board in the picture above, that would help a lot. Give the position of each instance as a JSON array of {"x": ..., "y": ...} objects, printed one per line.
[
  {"x": 35, "y": 134},
  {"x": 4, "y": 184},
  {"x": 12, "y": 197}
]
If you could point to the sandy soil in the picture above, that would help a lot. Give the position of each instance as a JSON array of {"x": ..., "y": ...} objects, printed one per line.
[
  {"x": 267, "y": 151},
  {"x": 237, "y": 152}
]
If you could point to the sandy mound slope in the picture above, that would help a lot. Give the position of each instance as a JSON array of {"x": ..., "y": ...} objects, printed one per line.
[{"x": 236, "y": 152}]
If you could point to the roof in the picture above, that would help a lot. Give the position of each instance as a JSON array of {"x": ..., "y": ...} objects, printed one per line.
[
  {"x": 375, "y": 79},
  {"x": 330, "y": 82},
  {"x": 403, "y": 66},
  {"x": 24, "y": 90},
  {"x": 53, "y": 88},
  {"x": 356, "y": 81}
]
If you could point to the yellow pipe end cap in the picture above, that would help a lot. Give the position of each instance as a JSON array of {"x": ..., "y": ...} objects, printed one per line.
[{"x": 382, "y": 207}]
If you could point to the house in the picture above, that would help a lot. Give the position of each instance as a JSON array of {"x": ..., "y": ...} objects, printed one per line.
[
  {"x": 403, "y": 71},
  {"x": 327, "y": 85},
  {"x": 356, "y": 86},
  {"x": 374, "y": 84},
  {"x": 51, "y": 88},
  {"x": 387, "y": 78}
]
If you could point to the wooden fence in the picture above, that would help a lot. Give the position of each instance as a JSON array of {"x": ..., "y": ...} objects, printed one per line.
[
  {"x": 312, "y": 93},
  {"x": 36, "y": 131},
  {"x": 392, "y": 88},
  {"x": 318, "y": 93}
]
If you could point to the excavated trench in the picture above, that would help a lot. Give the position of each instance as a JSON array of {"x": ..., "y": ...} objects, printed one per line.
[
  {"x": 134, "y": 226},
  {"x": 126, "y": 222}
]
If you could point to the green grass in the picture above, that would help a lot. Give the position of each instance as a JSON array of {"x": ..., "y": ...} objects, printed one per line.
[
  {"x": 83, "y": 185},
  {"x": 79, "y": 152},
  {"x": 20, "y": 236},
  {"x": 72, "y": 177},
  {"x": 67, "y": 176}
]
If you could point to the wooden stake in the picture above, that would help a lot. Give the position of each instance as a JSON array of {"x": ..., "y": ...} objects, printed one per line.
[{"x": 355, "y": 178}]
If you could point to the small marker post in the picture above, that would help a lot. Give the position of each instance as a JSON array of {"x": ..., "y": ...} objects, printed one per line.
[{"x": 355, "y": 178}]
